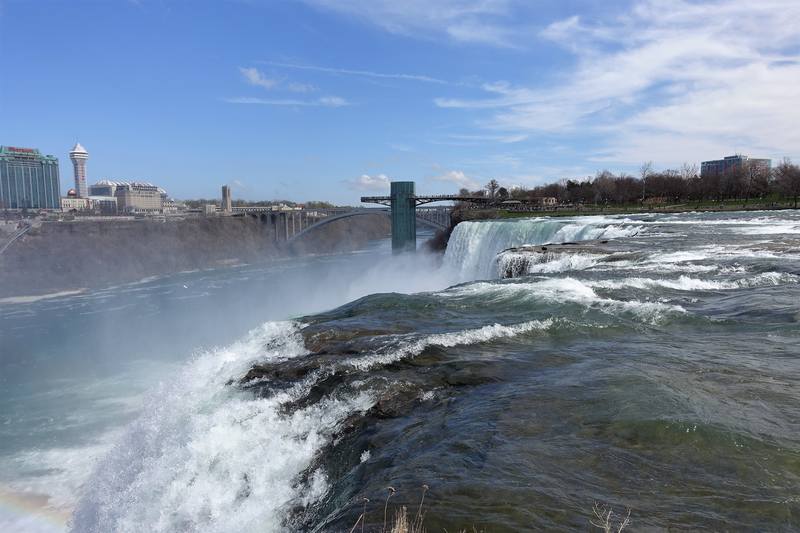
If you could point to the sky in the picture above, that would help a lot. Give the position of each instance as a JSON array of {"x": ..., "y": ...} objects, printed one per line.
[{"x": 332, "y": 99}]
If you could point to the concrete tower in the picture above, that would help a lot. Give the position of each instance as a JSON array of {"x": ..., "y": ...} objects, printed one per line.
[
  {"x": 79, "y": 155},
  {"x": 404, "y": 217},
  {"x": 227, "y": 203}
]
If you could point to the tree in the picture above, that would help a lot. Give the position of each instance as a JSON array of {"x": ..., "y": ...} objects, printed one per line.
[
  {"x": 688, "y": 171},
  {"x": 756, "y": 180},
  {"x": 492, "y": 187},
  {"x": 605, "y": 187},
  {"x": 644, "y": 171},
  {"x": 787, "y": 176},
  {"x": 502, "y": 193}
]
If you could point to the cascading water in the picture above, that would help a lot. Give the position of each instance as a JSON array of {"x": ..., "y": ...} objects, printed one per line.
[
  {"x": 473, "y": 246},
  {"x": 583, "y": 379}
]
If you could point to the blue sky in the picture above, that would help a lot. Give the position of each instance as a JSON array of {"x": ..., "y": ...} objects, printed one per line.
[{"x": 330, "y": 99}]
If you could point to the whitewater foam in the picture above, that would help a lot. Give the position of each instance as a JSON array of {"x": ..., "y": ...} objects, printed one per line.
[
  {"x": 562, "y": 290},
  {"x": 409, "y": 346},
  {"x": 473, "y": 246},
  {"x": 687, "y": 283},
  {"x": 206, "y": 456},
  {"x": 544, "y": 263}
]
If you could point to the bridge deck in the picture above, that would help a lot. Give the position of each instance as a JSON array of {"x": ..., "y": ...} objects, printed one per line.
[{"x": 419, "y": 200}]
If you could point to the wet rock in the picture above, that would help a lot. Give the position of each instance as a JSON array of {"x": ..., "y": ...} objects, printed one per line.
[{"x": 516, "y": 262}]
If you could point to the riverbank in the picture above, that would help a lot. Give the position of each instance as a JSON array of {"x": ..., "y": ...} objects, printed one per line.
[
  {"x": 633, "y": 209},
  {"x": 69, "y": 256}
]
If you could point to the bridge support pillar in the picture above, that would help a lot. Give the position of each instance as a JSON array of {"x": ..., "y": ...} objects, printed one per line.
[{"x": 404, "y": 218}]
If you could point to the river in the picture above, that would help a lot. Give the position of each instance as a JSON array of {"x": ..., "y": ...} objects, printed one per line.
[{"x": 664, "y": 380}]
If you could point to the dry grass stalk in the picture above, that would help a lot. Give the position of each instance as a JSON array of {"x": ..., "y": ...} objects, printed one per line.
[
  {"x": 604, "y": 519},
  {"x": 386, "y": 506}
]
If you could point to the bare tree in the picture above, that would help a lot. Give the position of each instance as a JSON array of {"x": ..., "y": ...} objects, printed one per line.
[
  {"x": 688, "y": 171},
  {"x": 644, "y": 171},
  {"x": 492, "y": 187},
  {"x": 605, "y": 187},
  {"x": 787, "y": 176}
]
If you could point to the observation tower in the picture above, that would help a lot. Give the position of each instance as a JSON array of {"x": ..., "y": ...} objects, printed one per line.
[{"x": 79, "y": 155}]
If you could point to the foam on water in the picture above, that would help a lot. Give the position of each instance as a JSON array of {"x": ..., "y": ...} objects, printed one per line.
[
  {"x": 411, "y": 346},
  {"x": 544, "y": 263},
  {"x": 207, "y": 457},
  {"x": 687, "y": 283},
  {"x": 562, "y": 290},
  {"x": 473, "y": 246}
]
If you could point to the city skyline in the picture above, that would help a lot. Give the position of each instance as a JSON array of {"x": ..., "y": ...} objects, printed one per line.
[{"x": 279, "y": 99}]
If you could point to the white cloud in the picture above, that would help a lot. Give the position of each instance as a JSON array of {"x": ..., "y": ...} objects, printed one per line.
[
  {"x": 460, "y": 139},
  {"x": 300, "y": 87},
  {"x": 467, "y": 21},
  {"x": 332, "y": 101},
  {"x": 458, "y": 178},
  {"x": 668, "y": 79},
  {"x": 365, "y": 182},
  {"x": 254, "y": 77},
  {"x": 325, "y": 101},
  {"x": 362, "y": 73}
]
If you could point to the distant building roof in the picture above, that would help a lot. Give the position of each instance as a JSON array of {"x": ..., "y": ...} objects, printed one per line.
[{"x": 115, "y": 183}]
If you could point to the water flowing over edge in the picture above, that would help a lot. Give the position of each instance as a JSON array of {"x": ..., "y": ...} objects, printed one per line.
[
  {"x": 473, "y": 246},
  {"x": 202, "y": 448}
]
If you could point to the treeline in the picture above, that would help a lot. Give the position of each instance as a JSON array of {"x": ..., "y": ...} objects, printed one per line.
[{"x": 744, "y": 182}]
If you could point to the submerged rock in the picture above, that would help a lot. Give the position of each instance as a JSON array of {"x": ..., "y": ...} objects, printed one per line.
[{"x": 520, "y": 261}]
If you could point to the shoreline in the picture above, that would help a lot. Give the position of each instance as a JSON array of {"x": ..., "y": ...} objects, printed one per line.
[{"x": 595, "y": 211}]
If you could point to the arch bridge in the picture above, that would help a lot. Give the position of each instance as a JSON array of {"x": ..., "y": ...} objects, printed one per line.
[
  {"x": 292, "y": 224},
  {"x": 404, "y": 206}
]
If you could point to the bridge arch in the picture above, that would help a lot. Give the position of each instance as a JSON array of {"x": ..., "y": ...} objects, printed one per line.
[{"x": 333, "y": 218}]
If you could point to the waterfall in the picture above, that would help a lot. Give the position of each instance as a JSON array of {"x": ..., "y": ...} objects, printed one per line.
[{"x": 473, "y": 246}]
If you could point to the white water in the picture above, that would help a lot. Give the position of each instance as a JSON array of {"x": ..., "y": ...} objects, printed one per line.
[
  {"x": 563, "y": 290},
  {"x": 473, "y": 246},
  {"x": 687, "y": 283},
  {"x": 205, "y": 457}
]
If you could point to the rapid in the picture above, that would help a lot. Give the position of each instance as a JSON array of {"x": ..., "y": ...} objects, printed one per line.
[{"x": 664, "y": 379}]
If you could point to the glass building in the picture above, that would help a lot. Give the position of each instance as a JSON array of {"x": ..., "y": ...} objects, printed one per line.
[
  {"x": 733, "y": 163},
  {"x": 28, "y": 179}
]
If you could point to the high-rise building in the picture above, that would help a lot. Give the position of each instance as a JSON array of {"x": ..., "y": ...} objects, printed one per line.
[
  {"x": 28, "y": 179},
  {"x": 734, "y": 163},
  {"x": 227, "y": 202},
  {"x": 79, "y": 155}
]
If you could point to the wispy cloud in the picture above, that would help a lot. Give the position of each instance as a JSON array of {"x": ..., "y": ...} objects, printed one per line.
[
  {"x": 466, "y": 21},
  {"x": 325, "y": 101},
  {"x": 254, "y": 77},
  {"x": 365, "y": 182},
  {"x": 355, "y": 72},
  {"x": 401, "y": 147},
  {"x": 459, "y": 139},
  {"x": 458, "y": 178},
  {"x": 667, "y": 79},
  {"x": 257, "y": 78}
]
